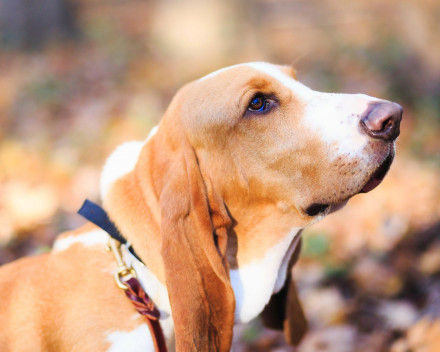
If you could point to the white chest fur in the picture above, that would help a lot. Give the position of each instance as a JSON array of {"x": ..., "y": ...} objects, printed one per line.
[
  {"x": 253, "y": 284},
  {"x": 137, "y": 340}
]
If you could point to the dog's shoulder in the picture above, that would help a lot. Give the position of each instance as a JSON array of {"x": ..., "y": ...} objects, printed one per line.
[{"x": 88, "y": 237}]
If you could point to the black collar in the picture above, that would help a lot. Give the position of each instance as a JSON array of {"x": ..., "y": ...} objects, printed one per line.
[{"x": 94, "y": 213}]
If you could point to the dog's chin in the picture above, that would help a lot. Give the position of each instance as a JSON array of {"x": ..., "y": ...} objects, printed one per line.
[{"x": 376, "y": 178}]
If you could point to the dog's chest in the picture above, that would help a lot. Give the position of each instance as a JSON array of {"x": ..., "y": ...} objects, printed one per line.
[{"x": 254, "y": 283}]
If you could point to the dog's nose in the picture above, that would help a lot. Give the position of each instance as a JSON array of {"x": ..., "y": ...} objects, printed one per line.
[{"x": 382, "y": 120}]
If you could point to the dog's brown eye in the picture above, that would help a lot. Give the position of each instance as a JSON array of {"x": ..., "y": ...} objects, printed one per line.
[{"x": 258, "y": 103}]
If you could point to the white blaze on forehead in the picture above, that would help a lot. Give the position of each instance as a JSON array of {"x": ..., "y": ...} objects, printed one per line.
[
  {"x": 269, "y": 69},
  {"x": 215, "y": 73},
  {"x": 273, "y": 71},
  {"x": 300, "y": 90}
]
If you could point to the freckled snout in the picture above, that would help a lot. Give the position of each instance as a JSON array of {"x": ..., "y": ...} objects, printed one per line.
[{"x": 382, "y": 120}]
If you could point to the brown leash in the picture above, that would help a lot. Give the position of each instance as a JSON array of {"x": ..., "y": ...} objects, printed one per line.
[
  {"x": 126, "y": 279},
  {"x": 145, "y": 307}
]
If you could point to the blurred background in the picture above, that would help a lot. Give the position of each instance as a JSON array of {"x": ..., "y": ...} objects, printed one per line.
[{"x": 79, "y": 77}]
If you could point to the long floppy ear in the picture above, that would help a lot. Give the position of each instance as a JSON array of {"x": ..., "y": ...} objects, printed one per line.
[
  {"x": 194, "y": 233},
  {"x": 284, "y": 311}
]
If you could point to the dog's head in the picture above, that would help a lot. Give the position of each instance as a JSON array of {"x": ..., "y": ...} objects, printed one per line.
[
  {"x": 257, "y": 127},
  {"x": 241, "y": 157}
]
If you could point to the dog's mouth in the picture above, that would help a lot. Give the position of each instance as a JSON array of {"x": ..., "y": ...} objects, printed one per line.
[
  {"x": 378, "y": 176},
  {"x": 321, "y": 208},
  {"x": 375, "y": 180}
]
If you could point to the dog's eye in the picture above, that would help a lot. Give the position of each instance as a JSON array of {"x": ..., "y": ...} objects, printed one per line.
[{"x": 259, "y": 103}]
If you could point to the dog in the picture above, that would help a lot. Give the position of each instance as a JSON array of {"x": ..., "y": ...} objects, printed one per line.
[{"x": 213, "y": 203}]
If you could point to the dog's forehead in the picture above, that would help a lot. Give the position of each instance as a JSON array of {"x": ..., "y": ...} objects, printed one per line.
[{"x": 283, "y": 75}]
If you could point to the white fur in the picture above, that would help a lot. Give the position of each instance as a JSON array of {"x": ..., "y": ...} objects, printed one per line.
[
  {"x": 92, "y": 238},
  {"x": 254, "y": 283},
  {"x": 282, "y": 272},
  {"x": 152, "y": 133},
  {"x": 137, "y": 340},
  {"x": 336, "y": 117},
  {"x": 299, "y": 90},
  {"x": 121, "y": 162},
  {"x": 215, "y": 73}
]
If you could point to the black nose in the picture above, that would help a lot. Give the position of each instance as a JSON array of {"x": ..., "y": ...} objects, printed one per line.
[{"x": 381, "y": 120}]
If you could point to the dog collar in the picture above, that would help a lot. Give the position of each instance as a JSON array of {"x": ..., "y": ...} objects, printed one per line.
[{"x": 94, "y": 213}]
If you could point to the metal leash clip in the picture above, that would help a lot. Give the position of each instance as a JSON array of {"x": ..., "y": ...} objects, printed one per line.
[{"x": 122, "y": 272}]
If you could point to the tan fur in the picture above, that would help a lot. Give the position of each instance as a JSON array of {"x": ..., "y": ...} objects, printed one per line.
[
  {"x": 214, "y": 189},
  {"x": 59, "y": 301}
]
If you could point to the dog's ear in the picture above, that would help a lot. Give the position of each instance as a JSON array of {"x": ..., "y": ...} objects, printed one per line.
[
  {"x": 284, "y": 311},
  {"x": 194, "y": 225}
]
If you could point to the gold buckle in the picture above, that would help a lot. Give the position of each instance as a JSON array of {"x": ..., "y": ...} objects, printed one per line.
[{"x": 122, "y": 272}]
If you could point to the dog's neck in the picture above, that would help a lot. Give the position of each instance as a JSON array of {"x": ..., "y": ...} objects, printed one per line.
[
  {"x": 131, "y": 203},
  {"x": 256, "y": 273}
]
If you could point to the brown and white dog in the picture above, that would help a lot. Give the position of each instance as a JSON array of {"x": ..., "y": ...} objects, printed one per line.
[{"x": 213, "y": 202}]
